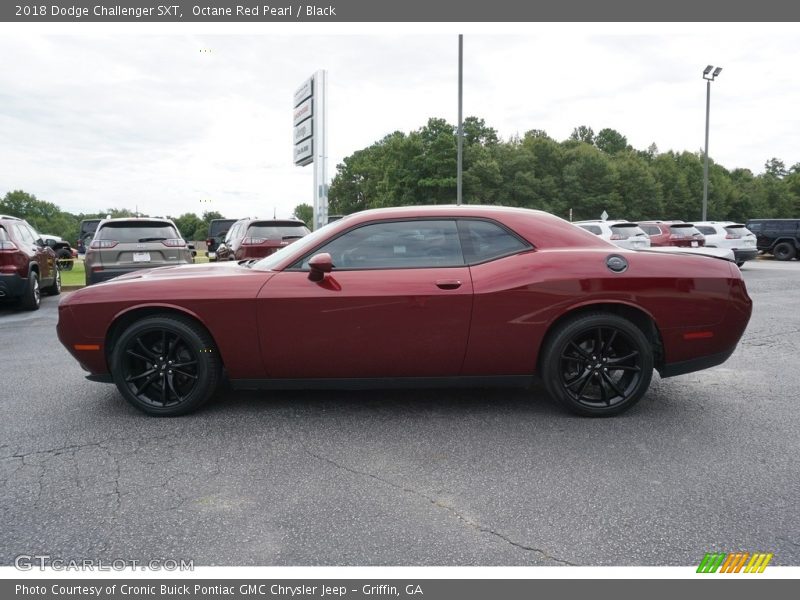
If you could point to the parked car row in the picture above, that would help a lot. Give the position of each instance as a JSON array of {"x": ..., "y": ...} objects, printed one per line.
[
  {"x": 779, "y": 237},
  {"x": 738, "y": 242}
]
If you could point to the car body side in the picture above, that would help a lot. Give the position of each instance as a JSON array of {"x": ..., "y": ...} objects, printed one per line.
[{"x": 508, "y": 306}]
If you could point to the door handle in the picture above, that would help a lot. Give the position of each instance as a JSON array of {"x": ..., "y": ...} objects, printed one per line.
[{"x": 448, "y": 284}]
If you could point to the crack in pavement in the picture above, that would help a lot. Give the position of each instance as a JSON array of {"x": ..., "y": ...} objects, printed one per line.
[{"x": 467, "y": 521}]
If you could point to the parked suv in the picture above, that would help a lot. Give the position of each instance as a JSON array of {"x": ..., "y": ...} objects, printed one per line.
[
  {"x": 257, "y": 238},
  {"x": 87, "y": 229},
  {"x": 779, "y": 237},
  {"x": 620, "y": 233},
  {"x": 726, "y": 234},
  {"x": 27, "y": 265},
  {"x": 217, "y": 230},
  {"x": 673, "y": 233},
  {"x": 128, "y": 244}
]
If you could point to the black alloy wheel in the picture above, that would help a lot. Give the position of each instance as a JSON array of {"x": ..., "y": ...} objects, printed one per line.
[
  {"x": 166, "y": 365},
  {"x": 598, "y": 364}
]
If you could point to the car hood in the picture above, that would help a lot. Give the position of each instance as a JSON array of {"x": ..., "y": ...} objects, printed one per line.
[{"x": 184, "y": 271}]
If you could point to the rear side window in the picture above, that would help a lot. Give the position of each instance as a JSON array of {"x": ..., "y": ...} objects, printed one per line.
[
  {"x": 3, "y": 235},
  {"x": 754, "y": 227},
  {"x": 139, "y": 232},
  {"x": 706, "y": 230},
  {"x": 592, "y": 229},
  {"x": 484, "y": 240}
]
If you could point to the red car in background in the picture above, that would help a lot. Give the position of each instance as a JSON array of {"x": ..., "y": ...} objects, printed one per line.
[
  {"x": 418, "y": 296},
  {"x": 257, "y": 238},
  {"x": 27, "y": 265},
  {"x": 673, "y": 233}
]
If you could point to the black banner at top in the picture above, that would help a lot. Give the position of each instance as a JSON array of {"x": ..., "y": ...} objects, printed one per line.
[{"x": 344, "y": 11}]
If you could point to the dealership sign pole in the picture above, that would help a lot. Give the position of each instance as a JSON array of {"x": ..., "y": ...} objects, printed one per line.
[{"x": 310, "y": 144}]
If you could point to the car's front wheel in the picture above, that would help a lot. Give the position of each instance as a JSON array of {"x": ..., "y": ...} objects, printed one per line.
[
  {"x": 597, "y": 364},
  {"x": 166, "y": 365}
]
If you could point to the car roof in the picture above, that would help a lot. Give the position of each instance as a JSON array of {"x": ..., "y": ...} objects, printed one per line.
[
  {"x": 135, "y": 220},
  {"x": 10, "y": 218}
]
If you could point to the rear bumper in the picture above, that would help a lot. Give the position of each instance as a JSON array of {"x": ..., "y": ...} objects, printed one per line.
[
  {"x": 743, "y": 255},
  {"x": 12, "y": 285},
  {"x": 106, "y": 274},
  {"x": 695, "y": 364}
]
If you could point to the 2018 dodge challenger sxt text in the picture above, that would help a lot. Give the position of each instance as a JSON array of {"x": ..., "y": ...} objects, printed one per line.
[{"x": 418, "y": 296}]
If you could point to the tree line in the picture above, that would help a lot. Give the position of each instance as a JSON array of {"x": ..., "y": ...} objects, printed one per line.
[
  {"x": 584, "y": 175},
  {"x": 581, "y": 177},
  {"x": 47, "y": 217}
]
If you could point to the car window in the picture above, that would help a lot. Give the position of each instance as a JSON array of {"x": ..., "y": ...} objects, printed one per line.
[
  {"x": 754, "y": 227},
  {"x": 683, "y": 230},
  {"x": 32, "y": 232},
  {"x": 23, "y": 234},
  {"x": 137, "y": 232},
  {"x": 232, "y": 234},
  {"x": 651, "y": 229},
  {"x": 484, "y": 240},
  {"x": 623, "y": 231},
  {"x": 706, "y": 230},
  {"x": 395, "y": 245},
  {"x": 279, "y": 231},
  {"x": 3, "y": 235},
  {"x": 592, "y": 229}
]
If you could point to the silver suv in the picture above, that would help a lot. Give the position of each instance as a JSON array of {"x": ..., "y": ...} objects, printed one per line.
[
  {"x": 733, "y": 236},
  {"x": 123, "y": 245}
]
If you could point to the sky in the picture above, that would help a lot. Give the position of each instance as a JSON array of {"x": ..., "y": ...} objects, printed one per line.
[{"x": 186, "y": 119}]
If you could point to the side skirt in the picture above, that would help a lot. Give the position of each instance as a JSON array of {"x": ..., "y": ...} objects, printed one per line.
[{"x": 373, "y": 383}]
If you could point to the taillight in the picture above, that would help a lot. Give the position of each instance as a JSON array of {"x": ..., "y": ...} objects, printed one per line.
[
  {"x": 733, "y": 236},
  {"x": 209, "y": 242},
  {"x": 99, "y": 244},
  {"x": 8, "y": 246},
  {"x": 174, "y": 243},
  {"x": 252, "y": 241}
]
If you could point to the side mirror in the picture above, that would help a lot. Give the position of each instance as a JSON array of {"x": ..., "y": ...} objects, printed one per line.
[
  {"x": 39, "y": 242},
  {"x": 320, "y": 264}
]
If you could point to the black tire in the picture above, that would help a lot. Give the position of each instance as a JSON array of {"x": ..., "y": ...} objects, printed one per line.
[
  {"x": 32, "y": 297},
  {"x": 64, "y": 259},
  {"x": 783, "y": 251},
  {"x": 55, "y": 288},
  {"x": 166, "y": 365},
  {"x": 597, "y": 364}
]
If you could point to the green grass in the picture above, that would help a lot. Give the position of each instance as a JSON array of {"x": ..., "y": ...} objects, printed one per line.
[
  {"x": 74, "y": 276},
  {"x": 77, "y": 275}
]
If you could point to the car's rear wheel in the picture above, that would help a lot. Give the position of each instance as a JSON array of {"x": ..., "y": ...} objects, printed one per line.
[
  {"x": 32, "y": 297},
  {"x": 166, "y": 365},
  {"x": 597, "y": 364},
  {"x": 55, "y": 288},
  {"x": 784, "y": 251}
]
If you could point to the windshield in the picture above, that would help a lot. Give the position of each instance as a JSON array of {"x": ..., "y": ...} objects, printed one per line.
[
  {"x": 302, "y": 245},
  {"x": 277, "y": 231},
  {"x": 626, "y": 230},
  {"x": 139, "y": 232},
  {"x": 684, "y": 230}
]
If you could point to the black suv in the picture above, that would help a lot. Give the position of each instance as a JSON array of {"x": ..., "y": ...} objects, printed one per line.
[
  {"x": 217, "y": 230},
  {"x": 779, "y": 237},
  {"x": 27, "y": 265},
  {"x": 88, "y": 227}
]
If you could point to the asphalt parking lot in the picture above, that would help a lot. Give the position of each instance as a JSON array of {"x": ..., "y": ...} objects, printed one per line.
[{"x": 707, "y": 461}]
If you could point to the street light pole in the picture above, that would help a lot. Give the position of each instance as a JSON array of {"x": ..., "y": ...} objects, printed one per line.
[
  {"x": 709, "y": 77},
  {"x": 460, "y": 140}
]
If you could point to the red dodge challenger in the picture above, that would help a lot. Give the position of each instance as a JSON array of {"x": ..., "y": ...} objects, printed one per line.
[{"x": 417, "y": 296}]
